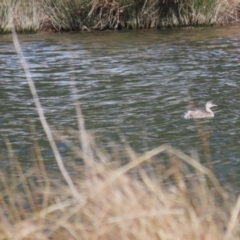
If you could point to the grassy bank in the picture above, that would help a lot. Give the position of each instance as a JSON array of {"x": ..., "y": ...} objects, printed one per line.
[{"x": 78, "y": 15}]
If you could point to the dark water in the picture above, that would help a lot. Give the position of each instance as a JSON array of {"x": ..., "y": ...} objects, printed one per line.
[{"x": 133, "y": 87}]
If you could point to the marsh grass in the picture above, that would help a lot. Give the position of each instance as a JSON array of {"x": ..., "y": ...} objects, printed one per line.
[
  {"x": 7, "y": 9},
  {"x": 81, "y": 15},
  {"x": 64, "y": 15},
  {"x": 28, "y": 17},
  {"x": 25, "y": 15},
  {"x": 134, "y": 14}
]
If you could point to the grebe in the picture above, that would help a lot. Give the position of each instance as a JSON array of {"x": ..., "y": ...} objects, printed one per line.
[{"x": 200, "y": 113}]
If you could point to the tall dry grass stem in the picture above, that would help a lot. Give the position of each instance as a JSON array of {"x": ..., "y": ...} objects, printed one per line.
[
  {"x": 234, "y": 220},
  {"x": 22, "y": 177},
  {"x": 42, "y": 117}
]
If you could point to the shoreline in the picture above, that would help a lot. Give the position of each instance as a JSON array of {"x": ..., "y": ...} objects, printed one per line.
[{"x": 93, "y": 31}]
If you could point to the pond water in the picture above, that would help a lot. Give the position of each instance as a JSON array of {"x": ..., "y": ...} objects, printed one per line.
[{"x": 134, "y": 88}]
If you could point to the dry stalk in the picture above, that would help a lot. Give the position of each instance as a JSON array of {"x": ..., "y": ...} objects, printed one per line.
[{"x": 41, "y": 114}]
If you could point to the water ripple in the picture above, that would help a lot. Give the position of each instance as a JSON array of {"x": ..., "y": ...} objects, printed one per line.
[{"x": 129, "y": 84}]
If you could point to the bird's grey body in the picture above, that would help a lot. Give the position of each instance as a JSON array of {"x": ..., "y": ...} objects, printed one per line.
[{"x": 201, "y": 113}]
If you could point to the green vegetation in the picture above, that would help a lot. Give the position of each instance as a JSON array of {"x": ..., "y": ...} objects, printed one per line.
[{"x": 80, "y": 15}]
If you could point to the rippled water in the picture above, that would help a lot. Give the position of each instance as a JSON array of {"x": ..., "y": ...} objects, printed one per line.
[{"x": 133, "y": 86}]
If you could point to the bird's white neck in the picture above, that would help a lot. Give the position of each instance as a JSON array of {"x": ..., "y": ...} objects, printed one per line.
[{"x": 209, "y": 110}]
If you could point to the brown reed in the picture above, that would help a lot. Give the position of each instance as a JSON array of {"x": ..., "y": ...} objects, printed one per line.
[{"x": 31, "y": 16}]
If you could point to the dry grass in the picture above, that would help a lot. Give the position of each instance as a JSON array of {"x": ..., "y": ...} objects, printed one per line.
[
  {"x": 170, "y": 201},
  {"x": 28, "y": 16},
  {"x": 80, "y": 15},
  {"x": 148, "y": 14},
  {"x": 25, "y": 14}
]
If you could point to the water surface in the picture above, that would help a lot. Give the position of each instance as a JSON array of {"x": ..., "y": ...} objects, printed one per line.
[{"x": 133, "y": 87}]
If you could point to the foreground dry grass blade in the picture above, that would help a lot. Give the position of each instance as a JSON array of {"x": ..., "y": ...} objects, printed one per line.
[
  {"x": 233, "y": 220},
  {"x": 41, "y": 114}
]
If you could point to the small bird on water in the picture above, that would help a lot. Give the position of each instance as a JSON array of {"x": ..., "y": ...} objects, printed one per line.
[{"x": 201, "y": 113}]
